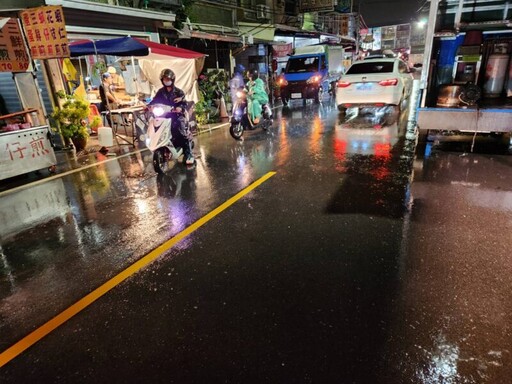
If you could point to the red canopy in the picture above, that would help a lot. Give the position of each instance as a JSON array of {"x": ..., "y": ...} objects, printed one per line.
[{"x": 168, "y": 50}]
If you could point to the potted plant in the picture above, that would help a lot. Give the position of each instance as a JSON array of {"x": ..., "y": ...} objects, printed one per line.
[
  {"x": 212, "y": 86},
  {"x": 70, "y": 117},
  {"x": 95, "y": 123}
]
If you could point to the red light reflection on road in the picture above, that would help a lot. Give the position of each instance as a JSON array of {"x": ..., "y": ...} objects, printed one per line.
[{"x": 340, "y": 154}]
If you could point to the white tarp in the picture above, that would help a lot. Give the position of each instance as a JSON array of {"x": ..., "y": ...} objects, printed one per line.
[{"x": 187, "y": 71}]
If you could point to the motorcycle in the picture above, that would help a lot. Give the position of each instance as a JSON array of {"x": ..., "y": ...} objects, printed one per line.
[
  {"x": 240, "y": 119},
  {"x": 159, "y": 138}
]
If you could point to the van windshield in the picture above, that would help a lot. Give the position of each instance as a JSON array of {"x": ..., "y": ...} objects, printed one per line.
[{"x": 302, "y": 64}]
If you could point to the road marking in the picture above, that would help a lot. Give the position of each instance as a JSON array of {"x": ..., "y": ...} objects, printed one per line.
[{"x": 90, "y": 298}]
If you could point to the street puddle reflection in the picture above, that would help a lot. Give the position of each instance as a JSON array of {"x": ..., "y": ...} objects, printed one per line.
[{"x": 369, "y": 153}]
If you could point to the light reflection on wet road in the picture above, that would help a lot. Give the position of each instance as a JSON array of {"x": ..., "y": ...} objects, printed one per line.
[{"x": 357, "y": 262}]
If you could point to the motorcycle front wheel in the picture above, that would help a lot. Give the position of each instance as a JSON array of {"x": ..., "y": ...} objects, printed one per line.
[
  {"x": 267, "y": 124},
  {"x": 161, "y": 160},
  {"x": 236, "y": 130}
]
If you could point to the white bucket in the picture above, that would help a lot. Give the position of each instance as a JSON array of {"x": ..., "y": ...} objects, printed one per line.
[{"x": 105, "y": 137}]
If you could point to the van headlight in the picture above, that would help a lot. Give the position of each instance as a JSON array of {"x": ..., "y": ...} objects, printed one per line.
[{"x": 314, "y": 79}]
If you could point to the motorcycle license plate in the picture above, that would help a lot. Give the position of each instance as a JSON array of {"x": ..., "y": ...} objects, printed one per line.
[{"x": 296, "y": 95}]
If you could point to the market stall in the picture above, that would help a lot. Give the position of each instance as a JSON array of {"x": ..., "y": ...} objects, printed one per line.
[
  {"x": 25, "y": 135},
  {"x": 152, "y": 58},
  {"x": 186, "y": 64}
]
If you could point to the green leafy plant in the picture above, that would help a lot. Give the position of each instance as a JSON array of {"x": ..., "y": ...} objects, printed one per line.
[
  {"x": 71, "y": 116},
  {"x": 182, "y": 13},
  {"x": 95, "y": 123},
  {"x": 99, "y": 68},
  {"x": 211, "y": 86},
  {"x": 201, "y": 111}
]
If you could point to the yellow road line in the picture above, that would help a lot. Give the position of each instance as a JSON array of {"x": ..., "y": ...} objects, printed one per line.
[{"x": 90, "y": 298}]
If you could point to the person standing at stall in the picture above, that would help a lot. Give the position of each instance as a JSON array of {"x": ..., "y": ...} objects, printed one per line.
[
  {"x": 108, "y": 99},
  {"x": 117, "y": 79}
]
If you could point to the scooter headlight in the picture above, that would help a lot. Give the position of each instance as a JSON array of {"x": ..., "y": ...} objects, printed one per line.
[
  {"x": 240, "y": 94},
  {"x": 158, "y": 111}
]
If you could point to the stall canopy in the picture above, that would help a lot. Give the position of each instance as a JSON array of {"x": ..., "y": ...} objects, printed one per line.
[
  {"x": 186, "y": 64},
  {"x": 152, "y": 58},
  {"x": 121, "y": 46}
]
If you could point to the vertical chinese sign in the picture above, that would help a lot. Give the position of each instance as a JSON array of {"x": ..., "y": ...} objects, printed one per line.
[
  {"x": 13, "y": 53},
  {"x": 46, "y": 32}
]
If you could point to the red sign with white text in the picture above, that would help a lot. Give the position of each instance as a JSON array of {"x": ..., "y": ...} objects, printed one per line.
[{"x": 281, "y": 50}]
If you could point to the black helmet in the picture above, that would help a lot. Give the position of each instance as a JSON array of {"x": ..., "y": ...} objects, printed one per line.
[
  {"x": 252, "y": 74},
  {"x": 167, "y": 74}
]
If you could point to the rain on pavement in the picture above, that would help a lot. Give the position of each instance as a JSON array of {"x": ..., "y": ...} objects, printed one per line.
[{"x": 360, "y": 261}]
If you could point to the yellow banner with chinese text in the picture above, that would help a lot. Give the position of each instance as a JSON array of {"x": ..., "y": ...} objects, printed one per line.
[
  {"x": 45, "y": 30},
  {"x": 13, "y": 52}
]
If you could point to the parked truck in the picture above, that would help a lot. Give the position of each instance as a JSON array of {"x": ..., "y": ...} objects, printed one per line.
[{"x": 311, "y": 72}]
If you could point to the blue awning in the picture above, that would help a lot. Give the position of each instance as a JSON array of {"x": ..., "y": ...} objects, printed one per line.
[{"x": 122, "y": 46}]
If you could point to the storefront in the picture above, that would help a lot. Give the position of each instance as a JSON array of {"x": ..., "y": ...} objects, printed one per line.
[
  {"x": 466, "y": 74},
  {"x": 25, "y": 143}
]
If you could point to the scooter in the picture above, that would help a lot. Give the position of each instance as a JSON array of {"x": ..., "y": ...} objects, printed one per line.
[
  {"x": 240, "y": 119},
  {"x": 159, "y": 138}
]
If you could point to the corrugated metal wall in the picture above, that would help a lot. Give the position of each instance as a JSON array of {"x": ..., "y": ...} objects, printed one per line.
[{"x": 10, "y": 94}]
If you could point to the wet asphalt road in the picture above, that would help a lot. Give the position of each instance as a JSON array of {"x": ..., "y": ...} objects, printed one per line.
[{"x": 359, "y": 261}]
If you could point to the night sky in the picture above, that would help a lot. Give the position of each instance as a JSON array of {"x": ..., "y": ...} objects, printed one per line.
[{"x": 378, "y": 13}]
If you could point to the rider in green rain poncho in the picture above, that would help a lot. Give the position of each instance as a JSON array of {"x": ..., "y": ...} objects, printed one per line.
[{"x": 257, "y": 96}]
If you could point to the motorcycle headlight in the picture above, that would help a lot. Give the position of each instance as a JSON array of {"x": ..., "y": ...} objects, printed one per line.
[
  {"x": 158, "y": 111},
  {"x": 282, "y": 82},
  {"x": 240, "y": 94}
]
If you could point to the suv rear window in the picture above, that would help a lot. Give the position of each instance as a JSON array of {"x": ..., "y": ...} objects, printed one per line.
[{"x": 375, "y": 67}]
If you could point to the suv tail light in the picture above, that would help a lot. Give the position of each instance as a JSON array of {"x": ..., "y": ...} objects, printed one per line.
[
  {"x": 342, "y": 84},
  {"x": 388, "y": 82}
]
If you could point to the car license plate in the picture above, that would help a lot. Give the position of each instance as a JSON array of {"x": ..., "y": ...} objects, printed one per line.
[
  {"x": 296, "y": 95},
  {"x": 364, "y": 86}
]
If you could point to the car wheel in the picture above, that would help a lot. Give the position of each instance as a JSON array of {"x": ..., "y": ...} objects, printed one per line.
[{"x": 342, "y": 109}]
